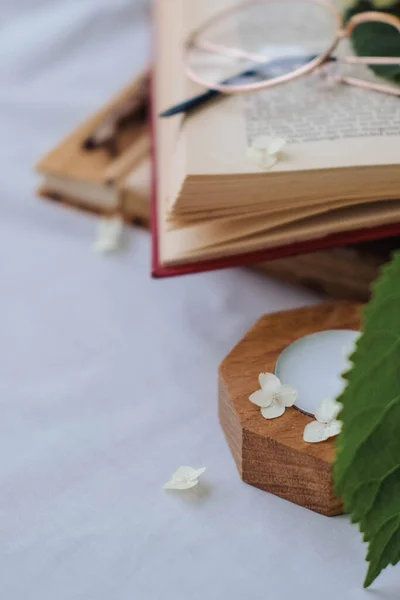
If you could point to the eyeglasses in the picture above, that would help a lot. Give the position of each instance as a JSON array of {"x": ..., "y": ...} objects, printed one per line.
[{"x": 259, "y": 44}]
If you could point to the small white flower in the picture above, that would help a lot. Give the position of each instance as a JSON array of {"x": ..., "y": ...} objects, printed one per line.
[
  {"x": 184, "y": 478},
  {"x": 326, "y": 424},
  {"x": 273, "y": 397},
  {"x": 109, "y": 234},
  {"x": 265, "y": 150}
]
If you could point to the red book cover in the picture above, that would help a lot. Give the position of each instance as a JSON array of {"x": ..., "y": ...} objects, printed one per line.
[{"x": 330, "y": 241}]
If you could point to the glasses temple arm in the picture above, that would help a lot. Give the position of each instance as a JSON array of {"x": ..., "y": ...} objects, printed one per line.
[
  {"x": 367, "y": 85},
  {"x": 227, "y": 51},
  {"x": 237, "y": 53},
  {"x": 370, "y": 60}
]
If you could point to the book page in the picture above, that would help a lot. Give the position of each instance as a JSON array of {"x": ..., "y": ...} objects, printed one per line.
[
  {"x": 344, "y": 219},
  {"x": 326, "y": 126},
  {"x": 314, "y": 110},
  {"x": 205, "y": 153},
  {"x": 224, "y": 232}
]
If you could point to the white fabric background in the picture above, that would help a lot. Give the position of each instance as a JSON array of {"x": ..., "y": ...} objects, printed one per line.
[{"x": 108, "y": 379}]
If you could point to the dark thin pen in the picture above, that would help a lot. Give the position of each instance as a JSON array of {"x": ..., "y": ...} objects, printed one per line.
[
  {"x": 261, "y": 70},
  {"x": 188, "y": 105}
]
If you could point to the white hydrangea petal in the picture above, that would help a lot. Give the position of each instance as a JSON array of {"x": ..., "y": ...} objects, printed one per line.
[
  {"x": 334, "y": 428},
  {"x": 269, "y": 161},
  {"x": 276, "y": 409},
  {"x": 109, "y": 234},
  {"x": 328, "y": 410},
  {"x": 184, "y": 473},
  {"x": 315, "y": 432},
  {"x": 260, "y": 398},
  {"x": 197, "y": 472},
  {"x": 269, "y": 382},
  {"x": 275, "y": 145},
  {"x": 184, "y": 478},
  {"x": 180, "y": 485},
  {"x": 255, "y": 155},
  {"x": 269, "y": 143},
  {"x": 264, "y": 150},
  {"x": 287, "y": 395},
  {"x": 262, "y": 142},
  {"x": 337, "y": 407}
]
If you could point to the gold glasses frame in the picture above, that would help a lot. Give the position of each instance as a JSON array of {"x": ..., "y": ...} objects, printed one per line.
[{"x": 343, "y": 31}]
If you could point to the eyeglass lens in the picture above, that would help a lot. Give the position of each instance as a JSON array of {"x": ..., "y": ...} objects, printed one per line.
[{"x": 262, "y": 41}]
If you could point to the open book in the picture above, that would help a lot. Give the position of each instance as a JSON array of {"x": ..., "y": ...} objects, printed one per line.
[{"x": 338, "y": 180}]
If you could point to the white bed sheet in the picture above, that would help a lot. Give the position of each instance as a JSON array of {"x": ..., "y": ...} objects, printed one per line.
[{"x": 108, "y": 379}]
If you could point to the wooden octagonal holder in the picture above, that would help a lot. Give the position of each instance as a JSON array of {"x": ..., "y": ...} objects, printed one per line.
[{"x": 271, "y": 454}]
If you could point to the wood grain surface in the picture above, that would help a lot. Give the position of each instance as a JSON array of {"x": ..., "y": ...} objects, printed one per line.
[
  {"x": 271, "y": 454},
  {"x": 341, "y": 273}
]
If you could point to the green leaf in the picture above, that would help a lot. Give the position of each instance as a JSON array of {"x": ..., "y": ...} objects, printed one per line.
[
  {"x": 377, "y": 39},
  {"x": 367, "y": 465}
]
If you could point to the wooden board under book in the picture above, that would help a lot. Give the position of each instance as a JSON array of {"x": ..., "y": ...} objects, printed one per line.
[
  {"x": 343, "y": 273},
  {"x": 113, "y": 177}
]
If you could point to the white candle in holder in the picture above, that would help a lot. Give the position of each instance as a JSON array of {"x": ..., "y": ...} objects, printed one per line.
[{"x": 313, "y": 366}]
